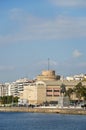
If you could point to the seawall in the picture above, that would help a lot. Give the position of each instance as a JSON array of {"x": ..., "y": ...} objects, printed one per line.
[{"x": 44, "y": 110}]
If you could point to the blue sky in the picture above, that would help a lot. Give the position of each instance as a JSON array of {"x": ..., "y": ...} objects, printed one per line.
[{"x": 31, "y": 31}]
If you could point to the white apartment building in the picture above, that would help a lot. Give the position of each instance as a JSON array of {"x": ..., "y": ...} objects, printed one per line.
[
  {"x": 3, "y": 90},
  {"x": 15, "y": 88},
  {"x": 76, "y": 77}
]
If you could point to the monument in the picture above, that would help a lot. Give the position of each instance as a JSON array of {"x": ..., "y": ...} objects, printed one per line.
[{"x": 63, "y": 101}]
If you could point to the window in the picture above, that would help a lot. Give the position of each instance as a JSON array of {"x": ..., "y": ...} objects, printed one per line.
[
  {"x": 49, "y": 90},
  {"x": 56, "y": 90}
]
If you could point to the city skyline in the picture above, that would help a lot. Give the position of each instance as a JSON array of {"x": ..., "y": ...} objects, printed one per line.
[{"x": 33, "y": 31}]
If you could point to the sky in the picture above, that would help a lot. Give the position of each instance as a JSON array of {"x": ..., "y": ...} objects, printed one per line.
[{"x": 33, "y": 31}]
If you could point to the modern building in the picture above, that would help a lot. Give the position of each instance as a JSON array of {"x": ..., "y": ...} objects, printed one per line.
[
  {"x": 3, "y": 90},
  {"x": 76, "y": 77},
  {"x": 14, "y": 88},
  {"x": 17, "y": 87}
]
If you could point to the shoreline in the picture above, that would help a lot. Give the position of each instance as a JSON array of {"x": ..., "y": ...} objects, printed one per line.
[{"x": 75, "y": 111}]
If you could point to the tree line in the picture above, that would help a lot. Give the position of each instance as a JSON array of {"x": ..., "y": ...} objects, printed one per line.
[
  {"x": 8, "y": 100},
  {"x": 79, "y": 90}
]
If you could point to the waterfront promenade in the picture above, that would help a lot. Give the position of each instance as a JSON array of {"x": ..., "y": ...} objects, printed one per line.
[{"x": 44, "y": 110}]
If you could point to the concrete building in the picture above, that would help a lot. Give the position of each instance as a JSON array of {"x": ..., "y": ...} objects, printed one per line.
[
  {"x": 35, "y": 93},
  {"x": 76, "y": 77},
  {"x": 48, "y": 75},
  {"x": 46, "y": 89},
  {"x": 3, "y": 90},
  {"x": 17, "y": 87}
]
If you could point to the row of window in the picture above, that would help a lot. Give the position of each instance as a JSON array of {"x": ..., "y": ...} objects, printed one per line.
[
  {"x": 50, "y": 90},
  {"x": 50, "y": 95}
]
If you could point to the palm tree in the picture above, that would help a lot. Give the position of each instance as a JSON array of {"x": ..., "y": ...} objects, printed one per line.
[
  {"x": 78, "y": 91},
  {"x": 69, "y": 92},
  {"x": 83, "y": 93}
]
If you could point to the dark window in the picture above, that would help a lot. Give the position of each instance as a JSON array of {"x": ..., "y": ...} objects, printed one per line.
[
  {"x": 49, "y": 90},
  {"x": 56, "y": 90}
]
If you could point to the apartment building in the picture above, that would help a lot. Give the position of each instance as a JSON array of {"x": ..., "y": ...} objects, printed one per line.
[
  {"x": 17, "y": 87},
  {"x": 2, "y": 90},
  {"x": 14, "y": 88}
]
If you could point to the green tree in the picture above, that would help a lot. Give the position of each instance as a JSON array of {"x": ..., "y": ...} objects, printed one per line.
[
  {"x": 15, "y": 99},
  {"x": 78, "y": 91},
  {"x": 69, "y": 92},
  {"x": 8, "y": 99},
  {"x": 83, "y": 93}
]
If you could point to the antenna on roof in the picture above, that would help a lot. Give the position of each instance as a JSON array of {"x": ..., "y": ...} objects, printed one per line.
[{"x": 48, "y": 63}]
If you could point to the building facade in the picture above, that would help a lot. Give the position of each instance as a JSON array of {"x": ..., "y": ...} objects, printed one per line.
[
  {"x": 48, "y": 75},
  {"x": 46, "y": 90}
]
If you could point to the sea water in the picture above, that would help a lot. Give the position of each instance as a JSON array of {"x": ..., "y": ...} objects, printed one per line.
[{"x": 41, "y": 121}]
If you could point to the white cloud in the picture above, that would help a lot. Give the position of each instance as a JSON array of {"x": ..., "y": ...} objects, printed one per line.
[
  {"x": 69, "y": 3},
  {"x": 77, "y": 53},
  {"x": 33, "y": 28}
]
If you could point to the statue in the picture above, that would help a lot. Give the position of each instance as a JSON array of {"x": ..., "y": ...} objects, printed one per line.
[
  {"x": 62, "y": 89},
  {"x": 63, "y": 100}
]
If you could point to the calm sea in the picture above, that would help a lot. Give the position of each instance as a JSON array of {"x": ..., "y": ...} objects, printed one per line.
[{"x": 40, "y": 121}]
